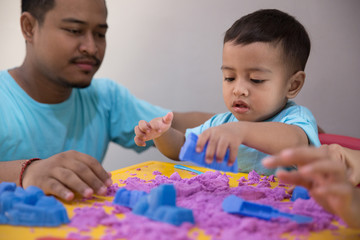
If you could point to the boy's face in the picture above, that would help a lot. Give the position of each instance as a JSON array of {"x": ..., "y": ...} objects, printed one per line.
[
  {"x": 255, "y": 80},
  {"x": 69, "y": 46}
]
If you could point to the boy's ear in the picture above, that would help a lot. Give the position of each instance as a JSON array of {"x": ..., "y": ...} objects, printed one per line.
[
  {"x": 296, "y": 82},
  {"x": 27, "y": 24}
]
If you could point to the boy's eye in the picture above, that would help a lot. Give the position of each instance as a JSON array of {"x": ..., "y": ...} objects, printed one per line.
[
  {"x": 227, "y": 79},
  {"x": 256, "y": 81}
]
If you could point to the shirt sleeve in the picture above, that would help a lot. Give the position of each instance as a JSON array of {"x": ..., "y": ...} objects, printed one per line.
[
  {"x": 303, "y": 118},
  {"x": 125, "y": 113}
]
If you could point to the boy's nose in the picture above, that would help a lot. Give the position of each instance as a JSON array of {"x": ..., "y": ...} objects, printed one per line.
[{"x": 241, "y": 90}]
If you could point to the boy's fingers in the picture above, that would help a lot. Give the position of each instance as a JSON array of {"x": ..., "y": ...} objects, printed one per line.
[
  {"x": 221, "y": 149},
  {"x": 167, "y": 119},
  {"x": 138, "y": 141},
  {"x": 232, "y": 155},
  {"x": 202, "y": 139},
  {"x": 144, "y": 126},
  {"x": 210, "y": 150}
]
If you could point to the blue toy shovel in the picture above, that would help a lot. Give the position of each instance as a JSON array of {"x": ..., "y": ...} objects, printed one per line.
[
  {"x": 182, "y": 167},
  {"x": 235, "y": 205}
]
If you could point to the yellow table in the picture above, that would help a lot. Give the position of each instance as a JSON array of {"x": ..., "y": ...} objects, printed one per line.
[{"x": 40, "y": 233}]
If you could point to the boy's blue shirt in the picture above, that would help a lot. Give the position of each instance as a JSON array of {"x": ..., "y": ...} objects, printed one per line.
[
  {"x": 86, "y": 122},
  {"x": 250, "y": 158}
]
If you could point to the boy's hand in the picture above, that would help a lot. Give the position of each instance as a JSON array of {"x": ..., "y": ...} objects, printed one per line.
[
  {"x": 67, "y": 173},
  {"x": 220, "y": 139},
  {"x": 146, "y": 131}
]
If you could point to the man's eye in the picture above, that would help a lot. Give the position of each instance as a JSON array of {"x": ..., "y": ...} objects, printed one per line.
[
  {"x": 256, "y": 81},
  {"x": 229, "y": 79},
  {"x": 101, "y": 35},
  {"x": 73, "y": 31}
]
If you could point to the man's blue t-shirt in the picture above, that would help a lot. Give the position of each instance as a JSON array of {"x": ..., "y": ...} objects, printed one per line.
[
  {"x": 250, "y": 158},
  {"x": 86, "y": 122}
]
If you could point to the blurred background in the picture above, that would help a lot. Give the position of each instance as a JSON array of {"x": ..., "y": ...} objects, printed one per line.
[{"x": 169, "y": 53}]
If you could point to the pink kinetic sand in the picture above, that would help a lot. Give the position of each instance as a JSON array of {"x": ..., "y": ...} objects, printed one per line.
[{"x": 204, "y": 194}]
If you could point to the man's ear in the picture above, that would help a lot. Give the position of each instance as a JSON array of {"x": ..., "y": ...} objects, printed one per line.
[
  {"x": 27, "y": 24},
  {"x": 296, "y": 82}
]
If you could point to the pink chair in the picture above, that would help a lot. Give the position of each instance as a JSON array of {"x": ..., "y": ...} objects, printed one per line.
[{"x": 345, "y": 141}]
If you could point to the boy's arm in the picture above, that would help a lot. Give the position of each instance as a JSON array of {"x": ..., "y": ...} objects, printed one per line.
[
  {"x": 170, "y": 143},
  {"x": 272, "y": 137},
  {"x": 267, "y": 137}
]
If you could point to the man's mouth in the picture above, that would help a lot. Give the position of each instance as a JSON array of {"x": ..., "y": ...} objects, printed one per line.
[{"x": 86, "y": 64}]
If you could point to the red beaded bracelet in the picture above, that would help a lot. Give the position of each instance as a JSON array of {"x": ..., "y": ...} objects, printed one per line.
[{"x": 24, "y": 166}]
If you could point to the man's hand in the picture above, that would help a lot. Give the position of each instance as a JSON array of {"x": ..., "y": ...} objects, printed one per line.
[
  {"x": 326, "y": 178},
  {"x": 68, "y": 173},
  {"x": 146, "y": 131}
]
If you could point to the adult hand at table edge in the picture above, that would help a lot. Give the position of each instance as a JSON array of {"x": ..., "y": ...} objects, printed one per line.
[{"x": 66, "y": 174}]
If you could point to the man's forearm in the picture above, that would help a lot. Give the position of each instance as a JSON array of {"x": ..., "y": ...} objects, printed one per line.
[{"x": 10, "y": 171}]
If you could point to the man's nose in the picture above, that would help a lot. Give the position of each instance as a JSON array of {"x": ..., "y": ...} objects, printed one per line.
[{"x": 88, "y": 45}]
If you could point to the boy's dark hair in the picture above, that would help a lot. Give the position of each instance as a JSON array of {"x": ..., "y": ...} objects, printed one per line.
[
  {"x": 37, "y": 8},
  {"x": 273, "y": 26}
]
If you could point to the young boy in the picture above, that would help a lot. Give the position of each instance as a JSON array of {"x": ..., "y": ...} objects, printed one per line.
[
  {"x": 264, "y": 58},
  {"x": 329, "y": 173}
]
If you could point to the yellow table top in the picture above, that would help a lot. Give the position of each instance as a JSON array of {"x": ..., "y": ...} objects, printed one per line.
[{"x": 147, "y": 168}]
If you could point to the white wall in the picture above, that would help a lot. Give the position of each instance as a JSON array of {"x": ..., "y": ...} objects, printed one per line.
[{"x": 169, "y": 53}]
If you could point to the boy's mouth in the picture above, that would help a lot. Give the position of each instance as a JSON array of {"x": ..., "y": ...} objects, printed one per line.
[{"x": 240, "y": 107}]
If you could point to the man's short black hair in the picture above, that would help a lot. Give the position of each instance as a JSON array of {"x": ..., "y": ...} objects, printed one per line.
[
  {"x": 273, "y": 26},
  {"x": 37, "y": 8}
]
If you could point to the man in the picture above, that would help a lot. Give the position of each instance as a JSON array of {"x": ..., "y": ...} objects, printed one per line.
[{"x": 53, "y": 109}]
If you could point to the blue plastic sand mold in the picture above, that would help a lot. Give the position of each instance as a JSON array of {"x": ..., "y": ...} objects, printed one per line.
[
  {"x": 158, "y": 205},
  {"x": 235, "y": 205},
  {"x": 188, "y": 153},
  {"x": 29, "y": 207},
  {"x": 128, "y": 198},
  {"x": 300, "y": 192}
]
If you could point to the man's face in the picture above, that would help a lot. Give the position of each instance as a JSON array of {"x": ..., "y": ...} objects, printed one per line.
[
  {"x": 69, "y": 46},
  {"x": 255, "y": 80}
]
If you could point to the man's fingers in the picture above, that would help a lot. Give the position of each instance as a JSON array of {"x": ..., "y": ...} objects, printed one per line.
[
  {"x": 73, "y": 181},
  {"x": 297, "y": 156},
  {"x": 334, "y": 169},
  {"x": 293, "y": 177},
  {"x": 92, "y": 173},
  {"x": 56, "y": 188}
]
